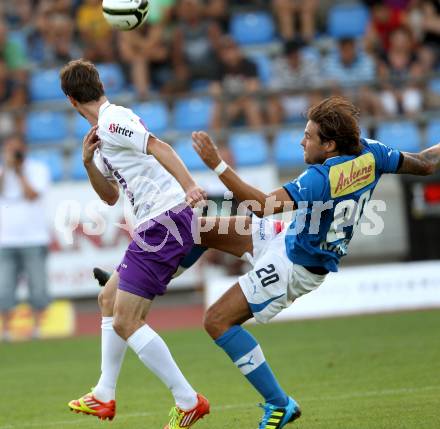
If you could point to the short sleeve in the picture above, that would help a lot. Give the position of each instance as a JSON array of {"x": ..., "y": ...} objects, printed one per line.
[
  {"x": 309, "y": 186},
  {"x": 388, "y": 160}
]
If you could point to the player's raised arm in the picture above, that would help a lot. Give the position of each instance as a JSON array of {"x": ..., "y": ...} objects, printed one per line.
[
  {"x": 169, "y": 159},
  {"x": 268, "y": 204},
  {"x": 106, "y": 189},
  {"x": 423, "y": 163}
]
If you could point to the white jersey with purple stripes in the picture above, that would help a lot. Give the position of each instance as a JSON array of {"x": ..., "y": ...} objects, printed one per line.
[{"x": 122, "y": 156}]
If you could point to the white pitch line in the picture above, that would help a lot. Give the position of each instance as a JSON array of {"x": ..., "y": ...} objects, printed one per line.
[{"x": 354, "y": 395}]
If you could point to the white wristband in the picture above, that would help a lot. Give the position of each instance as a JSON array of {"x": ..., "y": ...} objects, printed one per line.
[{"x": 221, "y": 168}]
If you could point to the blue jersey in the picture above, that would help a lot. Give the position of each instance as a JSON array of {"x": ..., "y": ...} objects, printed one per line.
[{"x": 330, "y": 199}]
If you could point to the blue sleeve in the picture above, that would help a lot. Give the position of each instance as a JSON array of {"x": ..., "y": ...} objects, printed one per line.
[
  {"x": 309, "y": 186},
  {"x": 388, "y": 160}
]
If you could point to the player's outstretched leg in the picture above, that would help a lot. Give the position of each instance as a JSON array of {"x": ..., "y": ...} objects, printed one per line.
[
  {"x": 130, "y": 313},
  {"x": 100, "y": 402},
  {"x": 222, "y": 322}
]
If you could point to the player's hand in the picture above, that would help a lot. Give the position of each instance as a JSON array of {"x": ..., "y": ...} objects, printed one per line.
[
  {"x": 196, "y": 196},
  {"x": 90, "y": 143},
  {"x": 206, "y": 149}
]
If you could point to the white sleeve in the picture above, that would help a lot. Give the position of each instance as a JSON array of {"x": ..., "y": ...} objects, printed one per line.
[
  {"x": 124, "y": 130},
  {"x": 100, "y": 165}
]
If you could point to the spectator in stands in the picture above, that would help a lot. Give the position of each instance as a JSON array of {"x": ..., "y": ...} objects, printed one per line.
[
  {"x": 146, "y": 56},
  {"x": 52, "y": 44},
  {"x": 24, "y": 234},
  {"x": 95, "y": 33},
  {"x": 384, "y": 20},
  {"x": 292, "y": 71},
  {"x": 160, "y": 11},
  {"x": 398, "y": 69},
  {"x": 19, "y": 15},
  {"x": 350, "y": 70},
  {"x": 217, "y": 10},
  {"x": 290, "y": 12},
  {"x": 431, "y": 25},
  {"x": 13, "y": 93},
  {"x": 11, "y": 51},
  {"x": 237, "y": 80},
  {"x": 194, "y": 45}
]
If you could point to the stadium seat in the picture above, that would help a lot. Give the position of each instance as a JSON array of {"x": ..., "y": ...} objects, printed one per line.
[
  {"x": 81, "y": 126},
  {"x": 434, "y": 85},
  {"x": 433, "y": 133},
  {"x": 264, "y": 66},
  {"x": 45, "y": 85},
  {"x": 54, "y": 161},
  {"x": 188, "y": 155},
  {"x": 77, "y": 172},
  {"x": 192, "y": 114},
  {"x": 112, "y": 78},
  {"x": 252, "y": 28},
  {"x": 347, "y": 20},
  {"x": 287, "y": 149},
  {"x": 249, "y": 148},
  {"x": 154, "y": 114},
  {"x": 400, "y": 135},
  {"x": 46, "y": 127}
]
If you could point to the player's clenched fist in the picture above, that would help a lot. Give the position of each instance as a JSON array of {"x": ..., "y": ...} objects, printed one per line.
[
  {"x": 206, "y": 149},
  {"x": 90, "y": 144},
  {"x": 195, "y": 195}
]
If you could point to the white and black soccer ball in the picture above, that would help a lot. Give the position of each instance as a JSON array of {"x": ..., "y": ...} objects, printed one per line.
[{"x": 125, "y": 14}]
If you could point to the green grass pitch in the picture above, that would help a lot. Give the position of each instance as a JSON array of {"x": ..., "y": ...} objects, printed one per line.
[{"x": 378, "y": 372}]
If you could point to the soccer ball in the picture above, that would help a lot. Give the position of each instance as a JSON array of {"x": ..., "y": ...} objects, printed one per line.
[{"x": 125, "y": 14}]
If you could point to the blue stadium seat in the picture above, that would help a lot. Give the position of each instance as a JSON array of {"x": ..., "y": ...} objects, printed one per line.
[
  {"x": 264, "y": 66},
  {"x": 45, "y": 85},
  {"x": 46, "y": 127},
  {"x": 154, "y": 114},
  {"x": 287, "y": 149},
  {"x": 402, "y": 135},
  {"x": 112, "y": 78},
  {"x": 189, "y": 156},
  {"x": 347, "y": 20},
  {"x": 252, "y": 28},
  {"x": 433, "y": 133},
  {"x": 81, "y": 126},
  {"x": 192, "y": 114},
  {"x": 249, "y": 148},
  {"x": 54, "y": 161},
  {"x": 434, "y": 85},
  {"x": 77, "y": 172}
]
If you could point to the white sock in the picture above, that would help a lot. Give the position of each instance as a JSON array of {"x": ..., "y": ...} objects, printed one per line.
[
  {"x": 155, "y": 355},
  {"x": 113, "y": 349}
]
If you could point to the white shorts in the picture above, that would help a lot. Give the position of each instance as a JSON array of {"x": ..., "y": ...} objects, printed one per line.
[{"x": 274, "y": 282}]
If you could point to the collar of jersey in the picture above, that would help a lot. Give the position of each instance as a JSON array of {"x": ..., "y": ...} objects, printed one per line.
[{"x": 103, "y": 106}]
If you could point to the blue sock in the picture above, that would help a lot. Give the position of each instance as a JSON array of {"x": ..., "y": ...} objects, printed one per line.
[{"x": 247, "y": 355}]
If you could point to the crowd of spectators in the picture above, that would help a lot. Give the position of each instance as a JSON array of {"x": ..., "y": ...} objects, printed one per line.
[{"x": 186, "y": 45}]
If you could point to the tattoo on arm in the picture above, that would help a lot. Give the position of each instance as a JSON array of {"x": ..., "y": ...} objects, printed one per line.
[{"x": 422, "y": 163}]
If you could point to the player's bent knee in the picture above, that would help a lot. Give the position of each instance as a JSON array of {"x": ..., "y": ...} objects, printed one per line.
[
  {"x": 214, "y": 323},
  {"x": 106, "y": 302},
  {"x": 124, "y": 327}
]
